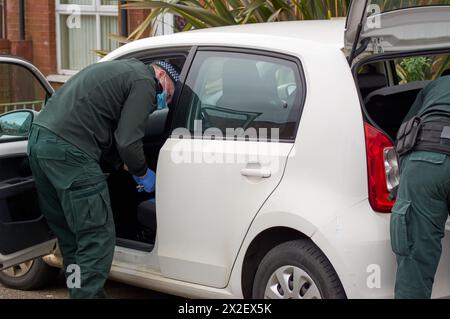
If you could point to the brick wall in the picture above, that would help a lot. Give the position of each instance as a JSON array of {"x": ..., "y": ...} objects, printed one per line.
[
  {"x": 4, "y": 75},
  {"x": 135, "y": 18},
  {"x": 4, "y": 46},
  {"x": 5, "y": 86},
  {"x": 40, "y": 30}
]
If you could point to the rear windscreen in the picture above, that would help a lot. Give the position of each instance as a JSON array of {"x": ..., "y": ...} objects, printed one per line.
[{"x": 392, "y": 5}]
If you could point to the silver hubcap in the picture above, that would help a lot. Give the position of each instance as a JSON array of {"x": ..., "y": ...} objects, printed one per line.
[
  {"x": 290, "y": 282},
  {"x": 19, "y": 270}
]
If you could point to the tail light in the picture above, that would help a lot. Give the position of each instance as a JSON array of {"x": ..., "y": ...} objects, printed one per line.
[{"x": 382, "y": 168}]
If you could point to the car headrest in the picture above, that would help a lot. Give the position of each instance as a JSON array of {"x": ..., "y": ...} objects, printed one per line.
[
  {"x": 372, "y": 81},
  {"x": 235, "y": 74}
]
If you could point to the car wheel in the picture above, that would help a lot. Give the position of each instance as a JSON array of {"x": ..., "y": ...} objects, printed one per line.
[
  {"x": 30, "y": 275},
  {"x": 297, "y": 270}
]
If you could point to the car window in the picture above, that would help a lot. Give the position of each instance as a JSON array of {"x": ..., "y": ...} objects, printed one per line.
[
  {"x": 422, "y": 68},
  {"x": 392, "y": 5},
  {"x": 372, "y": 77},
  {"x": 19, "y": 89},
  {"x": 232, "y": 94}
]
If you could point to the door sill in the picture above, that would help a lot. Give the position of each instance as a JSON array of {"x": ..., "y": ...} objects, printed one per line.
[{"x": 136, "y": 245}]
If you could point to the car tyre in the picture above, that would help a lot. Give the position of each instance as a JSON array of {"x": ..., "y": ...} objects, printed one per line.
[
  {"x": 297, "y": 270},
  {"x": 31, "y": 275}
]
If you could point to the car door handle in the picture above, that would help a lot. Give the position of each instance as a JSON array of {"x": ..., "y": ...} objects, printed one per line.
[{"x": 256, "y": 172}]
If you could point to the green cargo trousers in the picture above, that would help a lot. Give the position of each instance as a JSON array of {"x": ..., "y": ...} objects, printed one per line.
[
  {"x": 74, "y": 198},
  {"x": 418, "y": 222}
]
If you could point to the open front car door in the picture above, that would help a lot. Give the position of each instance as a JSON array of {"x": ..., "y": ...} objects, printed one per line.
[{"x": 24, "y": 234}]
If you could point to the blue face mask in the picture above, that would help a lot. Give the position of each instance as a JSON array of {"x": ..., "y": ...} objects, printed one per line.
[{"x": 161, "y": 100}]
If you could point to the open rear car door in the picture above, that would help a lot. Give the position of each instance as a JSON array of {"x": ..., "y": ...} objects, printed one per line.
[
  {"x": 24, "y": 234},
  {"x": 378, "y": 26}
]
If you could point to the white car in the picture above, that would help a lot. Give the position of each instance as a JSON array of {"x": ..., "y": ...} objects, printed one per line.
[{"x": 274, "y": 163}]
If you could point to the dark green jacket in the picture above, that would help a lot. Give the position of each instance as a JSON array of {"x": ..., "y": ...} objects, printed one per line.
[
  {"x": 433, "y": 101},
  {"x": 104, "y": 107}
]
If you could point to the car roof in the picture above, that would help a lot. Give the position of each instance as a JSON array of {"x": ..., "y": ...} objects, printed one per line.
[
  {"x": 262, "y": 35},
  {"x": 324, "y": 31}
]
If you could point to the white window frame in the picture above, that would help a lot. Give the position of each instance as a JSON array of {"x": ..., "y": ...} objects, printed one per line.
[{"x": 97, "y": 10}]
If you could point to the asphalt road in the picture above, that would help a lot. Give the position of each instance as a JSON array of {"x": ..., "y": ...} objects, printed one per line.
[{"x": 114, "y": 290}]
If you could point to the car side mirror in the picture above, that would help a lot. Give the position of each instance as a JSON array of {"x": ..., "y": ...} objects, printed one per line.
[
  {"x": 156, "y": 123},
  {"x": 16, "y": 124}
]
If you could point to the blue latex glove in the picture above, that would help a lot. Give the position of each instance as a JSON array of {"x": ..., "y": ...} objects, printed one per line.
[{"x": 146, "y": 183}]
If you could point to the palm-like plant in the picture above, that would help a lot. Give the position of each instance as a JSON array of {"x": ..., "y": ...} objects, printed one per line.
[
  {"x": 215, "y": 13},
  {"x": 422, "y": 68},
  {"x": 199, "y": 14}
]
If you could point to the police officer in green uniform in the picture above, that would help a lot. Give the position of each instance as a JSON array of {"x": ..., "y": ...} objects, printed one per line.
[
  {"x": 98, "y": 112},
  {"x": 422, "y": 207}
]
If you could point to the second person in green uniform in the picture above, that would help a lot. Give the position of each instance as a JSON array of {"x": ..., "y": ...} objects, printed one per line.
[
  {"x": 102, "y": 108},
  {"x": 423, "y": 200}
]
